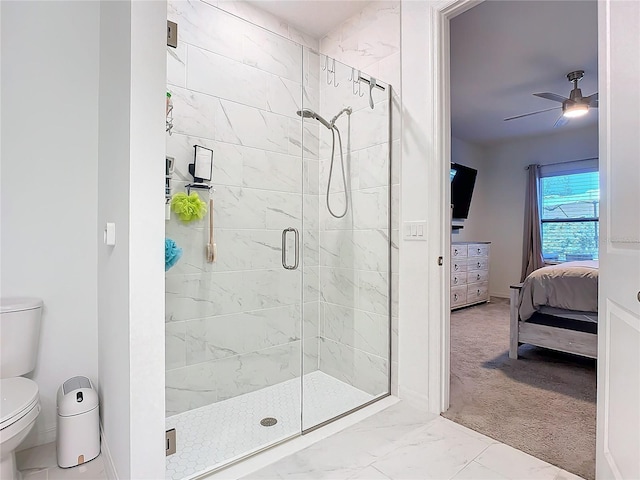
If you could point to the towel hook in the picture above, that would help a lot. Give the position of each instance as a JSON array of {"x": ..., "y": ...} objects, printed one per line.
[{"x": 335, "y": 84}]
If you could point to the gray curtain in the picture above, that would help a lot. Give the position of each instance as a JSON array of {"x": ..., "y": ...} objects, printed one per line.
[{"x": 532, "y": 252}]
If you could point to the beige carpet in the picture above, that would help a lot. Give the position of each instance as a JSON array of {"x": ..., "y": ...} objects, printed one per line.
[{"x": 544, "y": 403}]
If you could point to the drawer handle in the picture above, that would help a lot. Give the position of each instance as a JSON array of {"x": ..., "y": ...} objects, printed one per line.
[
  {"x": 478, "y": 277},
  {"x": 455, "y": 267},
  {"x": 478, "y": 292},
  {"x": 455, "y": 297},
  {"x": 455, "y": 279},
  {"x": 479, "y": 265},
  {"x": 478, "y": 251},
  {"x": 455, "y": 252}
]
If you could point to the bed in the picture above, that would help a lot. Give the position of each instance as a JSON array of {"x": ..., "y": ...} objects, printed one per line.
[{"x": 556, "y": 307}]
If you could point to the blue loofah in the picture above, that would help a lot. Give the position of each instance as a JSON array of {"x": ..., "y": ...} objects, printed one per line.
[{"x": 172, "y": 253}]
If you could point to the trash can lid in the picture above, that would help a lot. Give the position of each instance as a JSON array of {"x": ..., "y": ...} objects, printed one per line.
[{"x": 76, "y": 396}]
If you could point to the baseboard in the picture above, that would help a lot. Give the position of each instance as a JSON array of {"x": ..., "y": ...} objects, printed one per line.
[
  {"x": 499, "y": 295},
  {"x": 413, "y": 398},
  {"x": 109, "y": 467}
]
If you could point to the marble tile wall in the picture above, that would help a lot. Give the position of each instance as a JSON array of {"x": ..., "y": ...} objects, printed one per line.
[
  {"x": 235, "y": 326},
  {"x": 355, "y": 271}
]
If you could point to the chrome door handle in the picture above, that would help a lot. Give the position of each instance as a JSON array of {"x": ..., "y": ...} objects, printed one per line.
[{"x": 284, "y": 248}]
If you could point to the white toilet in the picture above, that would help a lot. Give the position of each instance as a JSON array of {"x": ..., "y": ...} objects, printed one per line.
[{"x": 19, "y": 399}]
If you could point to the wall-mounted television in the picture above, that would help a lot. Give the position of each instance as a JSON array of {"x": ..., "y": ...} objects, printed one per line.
[{"x": 463, "y": 179}]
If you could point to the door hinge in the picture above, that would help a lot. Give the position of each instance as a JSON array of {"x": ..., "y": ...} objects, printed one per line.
[
  {"x": 170, "y": 442},
  {"x": 172, "y": 34}
]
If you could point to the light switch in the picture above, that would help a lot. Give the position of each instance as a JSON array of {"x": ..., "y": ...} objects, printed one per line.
[
  {"x": 415, "y": 230},
  {"x": 110, "y": 234}
]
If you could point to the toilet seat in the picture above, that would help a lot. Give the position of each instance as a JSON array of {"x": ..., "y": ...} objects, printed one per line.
[{"x": 19, "y": 397}]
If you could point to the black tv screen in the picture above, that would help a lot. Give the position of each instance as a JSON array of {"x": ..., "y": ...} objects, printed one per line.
[{"x": 463, "y": 179}]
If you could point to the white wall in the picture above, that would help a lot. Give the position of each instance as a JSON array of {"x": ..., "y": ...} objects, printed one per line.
[
  {"x": 48, "y": 193},
  {"x": 420, "y": 199},
  {"x": 131, "y": 194},
  {"x": 502, "y": 194}
]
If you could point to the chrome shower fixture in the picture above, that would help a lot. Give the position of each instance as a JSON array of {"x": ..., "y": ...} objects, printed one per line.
[
  {"x": 308, "y": 113},
  {"x": 346, "y": 110}
]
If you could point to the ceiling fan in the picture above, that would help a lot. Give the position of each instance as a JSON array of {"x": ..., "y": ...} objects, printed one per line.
[{"x": 574, "y": 106}]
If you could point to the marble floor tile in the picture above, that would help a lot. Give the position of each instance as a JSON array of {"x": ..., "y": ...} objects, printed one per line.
[
  {"x": 515, "y": 464},
  {"x": 40, "y": 463},
  {"x": 402, "y": 443},
  {"x": 475, "y": 471},
  {"x": 369, "y": 473},
  {"x": 435, "y": 451},
  {"x": 564, "y": 475}
]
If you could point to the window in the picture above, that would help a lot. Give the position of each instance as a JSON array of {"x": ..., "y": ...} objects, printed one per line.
[{"x": 569, "y": 210}]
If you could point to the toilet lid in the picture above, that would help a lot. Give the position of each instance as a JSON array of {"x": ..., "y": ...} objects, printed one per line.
[{"x": 17, "y": 396}]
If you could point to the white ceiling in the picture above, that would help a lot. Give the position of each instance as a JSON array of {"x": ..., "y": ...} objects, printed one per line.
[
  {"x": 503, "y": 51},
  {"x": 315, "y": 17}
]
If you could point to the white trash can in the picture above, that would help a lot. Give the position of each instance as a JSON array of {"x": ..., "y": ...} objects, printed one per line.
[{"x": 78, "y": 433}]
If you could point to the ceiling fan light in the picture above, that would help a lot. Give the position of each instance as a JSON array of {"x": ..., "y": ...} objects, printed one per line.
[{"x": 575, "y": 110}]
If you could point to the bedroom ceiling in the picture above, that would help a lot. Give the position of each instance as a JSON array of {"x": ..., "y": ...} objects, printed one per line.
[
  {"x": 315, "y": 17},
  {"x": 503, "y": 51}
]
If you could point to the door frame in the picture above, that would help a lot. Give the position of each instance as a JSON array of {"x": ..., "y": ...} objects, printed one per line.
[{"x": 440, "y": 15}]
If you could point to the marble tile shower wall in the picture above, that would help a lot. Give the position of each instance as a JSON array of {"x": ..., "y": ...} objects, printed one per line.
[
  {"x": 233, "y": 326},
  {"x": 354, "y": 327}
]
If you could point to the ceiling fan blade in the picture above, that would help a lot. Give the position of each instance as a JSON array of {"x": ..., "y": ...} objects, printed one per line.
[
  {"x": 551, "y": 96},
  {"x": 593, "y": 100},
  {"x": 561, "y": 121},
  {"x": 532, "y": 113}
]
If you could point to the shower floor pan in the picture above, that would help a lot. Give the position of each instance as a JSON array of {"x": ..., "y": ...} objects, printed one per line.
[{"x": 217, "y": 434}]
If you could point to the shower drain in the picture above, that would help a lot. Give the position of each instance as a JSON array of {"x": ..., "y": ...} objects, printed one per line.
[{"x": 268, "y": 422}]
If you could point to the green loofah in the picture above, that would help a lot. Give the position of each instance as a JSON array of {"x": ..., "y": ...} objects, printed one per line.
[{"x": 188, "y": 207}]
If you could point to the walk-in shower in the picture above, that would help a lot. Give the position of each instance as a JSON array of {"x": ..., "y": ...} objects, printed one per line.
[
  {"x": 308, "y": 113},
  {"x": 289, "y": 327}
]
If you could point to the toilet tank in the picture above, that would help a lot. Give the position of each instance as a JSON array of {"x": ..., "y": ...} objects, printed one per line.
[{"x": 19, "y": 335}]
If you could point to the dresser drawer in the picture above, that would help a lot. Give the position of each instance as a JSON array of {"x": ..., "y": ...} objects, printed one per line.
[
  {"x": 458, "y": 251},
  {"x": 458, "y": 278},
  {"x": 478, "y": 292},
  {"x": 478, "y": 250},
  {"x": 477, "y": 264},
  {"x": 458, "y": 295},
  {"x": 458, "y": 265},
  {"x": 477, "y": 276}
]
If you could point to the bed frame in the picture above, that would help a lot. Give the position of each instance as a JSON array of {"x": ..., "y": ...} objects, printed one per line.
[{"x": 555, "y": 333}]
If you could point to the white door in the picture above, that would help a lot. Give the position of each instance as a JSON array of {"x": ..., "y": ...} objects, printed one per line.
[{"x": 618, "y": 433}]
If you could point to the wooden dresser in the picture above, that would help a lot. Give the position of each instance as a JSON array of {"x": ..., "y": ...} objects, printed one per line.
[{"x": 469, "y": 273}]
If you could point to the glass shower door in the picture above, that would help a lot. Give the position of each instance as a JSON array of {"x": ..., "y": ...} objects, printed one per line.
[
  {"x": 346, "y": 298},
  {"x": 233, "y": 326}
]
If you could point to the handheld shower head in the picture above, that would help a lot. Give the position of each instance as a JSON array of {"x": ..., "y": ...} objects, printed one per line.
[{"x": 307, "y": 113}]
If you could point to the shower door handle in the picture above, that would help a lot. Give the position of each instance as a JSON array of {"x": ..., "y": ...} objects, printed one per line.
[{"x": 284, "y": 248}]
